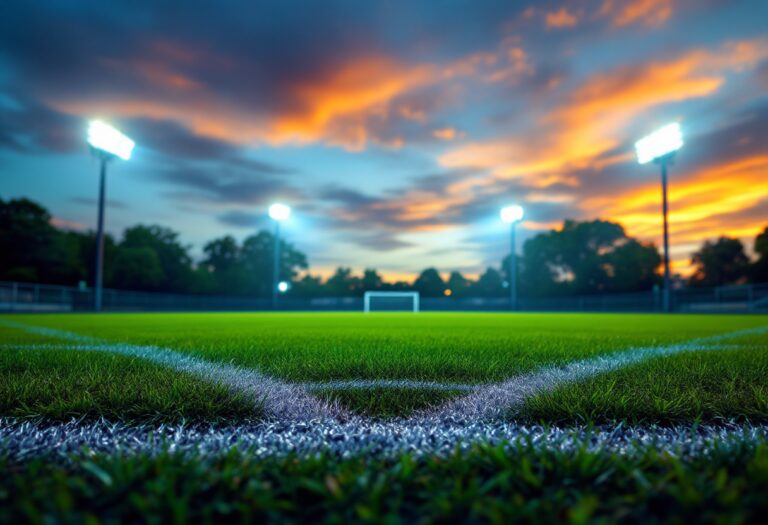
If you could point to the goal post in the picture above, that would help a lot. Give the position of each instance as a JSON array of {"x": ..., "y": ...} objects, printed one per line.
[{"x": 413, "y": 296}]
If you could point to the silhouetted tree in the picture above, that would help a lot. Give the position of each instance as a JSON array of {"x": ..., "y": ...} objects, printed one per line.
[
  {"x": 26, "y": 239},
  {"x": 138, "y": 269},
  {"x": 720, "y": 262},
  {"x": 758, "y": 271},
  {"x": 343, "y": 283},
  {"x": 489, "y": 284},
  {"x": 371, "y": 280},
  {"x": 257, "y": 256},
  {"x": 632, "y": 267},
  {"x": 175, "y": 263},
  {"x": 429, "y": 283},
  {"x": 458, "y": 284},
  {"x": 222, "y": 258},
  {"x": 308, "y": 286},
  {"x": 586, "y": 257}
]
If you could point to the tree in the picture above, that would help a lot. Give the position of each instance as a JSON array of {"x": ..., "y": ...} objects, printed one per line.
[
  {"x": 257, "y": 257},
  {"x": 343, "y": 283},
  {"x": 758, "y": 271},
  {"x": 429, "y": 283},
  {"x": 632, "y": 267},
  {"x": 719, "y": 263},
  {"x": 139, "y": 269},
  {"x": 458, "y": 284},
  {"x": 222, "y": 258},
  {"x": 175, "y": 263},
  {"x": 586, "y": 257},
  {"x": 26, "y": 239},
  {"x": 371, "y": 280},
  {"x": 489, "y": 284},
  {"x": 308, "y": 286}
]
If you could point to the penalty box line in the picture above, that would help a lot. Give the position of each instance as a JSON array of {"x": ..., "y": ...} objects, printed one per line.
[
  {"x": 279, "y": 399},
  {"x": 502, "y": 399},
  {"x": 486, "y": 401}
]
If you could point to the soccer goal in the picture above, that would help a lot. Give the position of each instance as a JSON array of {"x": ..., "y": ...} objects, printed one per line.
[{"x": 390, "y": 301}]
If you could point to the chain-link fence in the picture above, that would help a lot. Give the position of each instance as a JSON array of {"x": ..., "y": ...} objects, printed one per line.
[{"x": 27, "y": 297}]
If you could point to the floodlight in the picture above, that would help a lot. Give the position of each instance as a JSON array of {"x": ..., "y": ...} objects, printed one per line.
[
  {"x": 107, "y": 143},
  {"x": 105, "y": 138},
  {"x": 659, "y": 143},
  {"x": 282, "y": 287},
  {"x": 659, "y": 147},
  {"x": 512, "y": 213},
  {"x": 279, "y": 212}
]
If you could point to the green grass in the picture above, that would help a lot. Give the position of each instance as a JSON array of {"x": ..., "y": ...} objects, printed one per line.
[
  {"x": 461, "y": 347},
  {"x": 66, "y": 384},
  {"x": 525, "y": 484},
  {"x": 445, "y": 347},
  {"x": 388, "y": 402},
  {"x": 703, "y": 386}
]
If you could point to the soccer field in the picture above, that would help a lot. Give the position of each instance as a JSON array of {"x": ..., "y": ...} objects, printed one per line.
[
  {"x": 385, "y": 364},
  {"x": 534, "y": 398}
]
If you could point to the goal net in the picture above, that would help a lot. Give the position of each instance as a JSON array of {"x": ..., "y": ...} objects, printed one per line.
[{"x": 390, "y": 301}]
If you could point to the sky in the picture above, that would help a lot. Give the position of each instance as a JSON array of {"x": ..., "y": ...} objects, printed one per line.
[{"x": 395, "y": 130}]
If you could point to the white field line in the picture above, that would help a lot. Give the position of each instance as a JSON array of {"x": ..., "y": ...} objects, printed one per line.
[
  {"x": 351, "y": 384},
  {"x": 21, "y": 439},
  {"x": 407, "y": 384},
  {"x": 500, "y": 399},
  {"x": 279, "y": 399},
  {"x": 486, "y": 402}
]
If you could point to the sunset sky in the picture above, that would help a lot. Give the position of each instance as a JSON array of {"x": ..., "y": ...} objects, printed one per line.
[{"x": 395, "y": 129}]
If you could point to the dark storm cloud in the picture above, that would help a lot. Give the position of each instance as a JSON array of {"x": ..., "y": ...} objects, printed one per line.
[
  {"x": 265, "y": 45},
  {"x": 29, "y": 126},
  {"x": 241, "y": 219},
  {"x": 175, "y": 141},
  {"x": 226, "y": 185}
]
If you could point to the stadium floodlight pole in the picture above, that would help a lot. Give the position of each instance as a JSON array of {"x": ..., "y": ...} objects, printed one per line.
[
  {"x": 278, "y": 213},
  {"x": 660, "y": 147},
  {"x": 106, "y": 143},
  {"x": 512, "y": 215}
]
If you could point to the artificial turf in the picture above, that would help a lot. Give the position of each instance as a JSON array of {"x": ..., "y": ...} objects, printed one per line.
[{"x": 448, "y": 348}]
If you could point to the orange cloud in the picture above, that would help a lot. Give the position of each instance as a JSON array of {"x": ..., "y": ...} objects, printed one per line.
[
  {"x": 579, "y": 133},
  {"x": 360, "y": 88},
  {"x": 334, "y": 108},
  {"x": 445, "y": 133},
  {"x": 648, "y": 12},
  {"x": 701, "y": 206},
  {"x": 561, "y": 18}
]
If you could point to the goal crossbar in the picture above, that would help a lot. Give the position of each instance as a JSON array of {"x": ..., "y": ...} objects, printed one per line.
[{"x": 369, "y": 295}]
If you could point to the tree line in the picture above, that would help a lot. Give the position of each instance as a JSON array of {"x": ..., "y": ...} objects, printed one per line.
[{"x": 580, "y": 258}]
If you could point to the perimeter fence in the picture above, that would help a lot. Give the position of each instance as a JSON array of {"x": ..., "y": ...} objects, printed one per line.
[{"x": 28, "y": 297}]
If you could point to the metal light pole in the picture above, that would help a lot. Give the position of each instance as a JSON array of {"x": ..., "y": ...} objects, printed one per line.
[
  {"x": 512, "y": 215},
  {"x": 663, "y": 161},
  {"x": 100, "y": 235},
  {"x": 106, "y": 143},
  {"x": 278, "y": 213},
  {"x": 660, "y": 147}
]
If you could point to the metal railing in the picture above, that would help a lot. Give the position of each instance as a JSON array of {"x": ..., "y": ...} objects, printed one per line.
[{"x": 30, "y": 297}]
